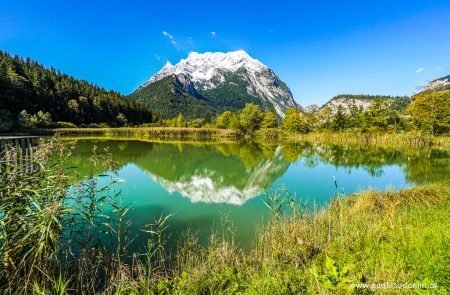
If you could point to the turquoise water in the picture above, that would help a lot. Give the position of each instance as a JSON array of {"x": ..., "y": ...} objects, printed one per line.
[{"x": 203, "y": 182}]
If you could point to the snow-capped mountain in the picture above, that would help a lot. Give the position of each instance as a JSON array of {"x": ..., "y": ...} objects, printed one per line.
[{"x": 227, "y": 81}]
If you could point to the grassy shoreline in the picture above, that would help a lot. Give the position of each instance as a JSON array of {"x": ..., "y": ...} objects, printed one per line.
[
  {"x": 162, "y": 133},
  {"x": 370, "y": 237}
]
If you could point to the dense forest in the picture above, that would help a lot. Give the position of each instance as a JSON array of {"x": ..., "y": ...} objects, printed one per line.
[
  {"x": 170, "y": 97},
  {"x": 32, "y": 95}
]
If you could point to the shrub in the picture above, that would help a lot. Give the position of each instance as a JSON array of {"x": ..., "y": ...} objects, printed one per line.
[
  {"x": 270, "y": 120},
  {"x": 60, "y": 124},
  {"x": 250, "y": 118},
  {"x": 6, "y": 120},
  {"x": 294, "y": 122}
]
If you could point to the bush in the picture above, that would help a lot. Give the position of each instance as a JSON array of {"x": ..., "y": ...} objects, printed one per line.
[
  {"x": 250, "y": 118},
  {"x": 60, "y": 124},
  {"x": 295, "y": 122},
  {"x": 150, "y": 125},
  {"x": 6, "y": 120},
  {"x": 270, "y": 120},
  {"x": 196, "y": 123}
]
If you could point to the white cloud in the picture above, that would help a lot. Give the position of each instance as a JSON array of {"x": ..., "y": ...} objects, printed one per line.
[
  {"x": 170, "y": 37},
  {"x": 213, "y": 34},
  {"x": 438, "y": 68},
  {"x": 420, "y": 70}
]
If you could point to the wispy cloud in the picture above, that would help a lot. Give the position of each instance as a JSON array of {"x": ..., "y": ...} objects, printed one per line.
[
  {"x": 170, "y": 37},
  {"x": 438, "y": 68},
  {"x": 180, "y": 43},
  {"x": 420, "y": 70},
  {"x": 213, "y": 34}
]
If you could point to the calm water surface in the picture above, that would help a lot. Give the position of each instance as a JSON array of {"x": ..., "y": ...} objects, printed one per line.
[{"x": 202, "y": 182}]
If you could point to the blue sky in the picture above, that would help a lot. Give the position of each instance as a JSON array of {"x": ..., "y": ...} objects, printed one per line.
[{"x": 319, "y": 49}]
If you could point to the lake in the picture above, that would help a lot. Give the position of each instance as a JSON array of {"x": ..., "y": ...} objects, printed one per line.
[{"x": 201, "y": 183}]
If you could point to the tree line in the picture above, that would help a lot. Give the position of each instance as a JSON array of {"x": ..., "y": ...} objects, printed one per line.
[
  {"x": 428, "y": 112},
  {"x": 32, "y": 95}
]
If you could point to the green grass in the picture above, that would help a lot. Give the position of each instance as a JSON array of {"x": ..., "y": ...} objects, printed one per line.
[
  {"x": 49, "y": 241},
  {"x": 369, "y": 237},
  {"x": 410, "y": 138},
  {"x": 164, "y": 133},
  {"x": 152, "y": 132}
]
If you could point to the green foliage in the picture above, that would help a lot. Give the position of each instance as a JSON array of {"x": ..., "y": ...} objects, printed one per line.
[
  {"x": 250, "y": 118},
  {"x": 6, "y": 120},
  {"x": 270, "y": 120},
  {"x": 62, "y": 125},
  {"x": 40, "y": 119},
  {"x": 196, "y": 123},
  {"x": 339, "y": 120},
  {"x": 430, "y": 112},
  {"x": 223, "y": 121},
  {"x": 385, "y": 113},
  {"x": 334, "y": 278},
  {"x": 173, "y": 95},
  {"x": 294, "y": 122},
  {"x": 180, "y": 121},
  {"x": 232, "y": 94},
  {"x": 168, "y": 97},
  {"x": 27, "y": 85},
  {"x": 121, "y": 119},
  {"x": 228, "y": 120}
]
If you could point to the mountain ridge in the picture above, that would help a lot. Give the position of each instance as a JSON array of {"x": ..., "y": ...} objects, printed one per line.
[
  {"x": 442, "y": 83},
  {"x": 226, "y": 81},
  {"x": 364, "y": 101}
]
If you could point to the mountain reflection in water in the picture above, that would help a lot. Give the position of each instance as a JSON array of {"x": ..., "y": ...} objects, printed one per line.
[{"x": 233, "y": 173}]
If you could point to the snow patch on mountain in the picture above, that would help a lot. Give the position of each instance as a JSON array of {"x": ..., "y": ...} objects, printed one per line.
[
  {"x": 209, "y": 70},
  {"x": 203, "y": 67}
]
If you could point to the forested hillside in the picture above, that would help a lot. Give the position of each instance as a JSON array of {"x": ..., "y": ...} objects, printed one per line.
[
  {"x": 29, "y": 89},
  {"x": 169, "y": 97}
]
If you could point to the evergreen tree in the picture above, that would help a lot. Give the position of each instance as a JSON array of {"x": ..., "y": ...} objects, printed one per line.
[
  {"x": 27, "y": 85},
  {"x": 339, "y": 122}
]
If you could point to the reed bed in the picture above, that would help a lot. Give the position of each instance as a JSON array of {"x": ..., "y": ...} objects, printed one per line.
[
  {"x": 153, "y": 132},
  {"x": 410, "y": 139},
  {"x": 161, "y": 133}
]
